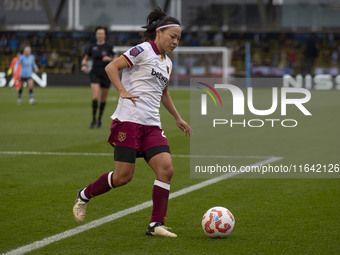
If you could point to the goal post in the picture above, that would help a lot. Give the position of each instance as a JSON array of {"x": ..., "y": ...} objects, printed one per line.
[{"x": 195, "y": 62}]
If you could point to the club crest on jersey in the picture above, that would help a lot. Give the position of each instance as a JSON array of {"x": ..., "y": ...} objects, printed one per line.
[
  {"x": 136, "y": 51},
  {"x": 121, "y": 136},
  {"x": 160, "y": 76}
]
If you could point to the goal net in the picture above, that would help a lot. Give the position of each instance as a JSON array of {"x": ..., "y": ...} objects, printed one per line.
[{"x": 195, "y": 62}]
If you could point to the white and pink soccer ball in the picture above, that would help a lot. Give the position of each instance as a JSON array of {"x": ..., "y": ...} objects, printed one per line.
[{"x": 218, "y": 222}]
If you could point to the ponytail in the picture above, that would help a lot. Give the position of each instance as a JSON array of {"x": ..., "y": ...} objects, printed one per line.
[{"x": 155, "y": 19}]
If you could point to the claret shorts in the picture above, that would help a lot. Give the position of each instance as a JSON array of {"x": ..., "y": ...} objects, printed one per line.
[{"x": 133, "y": 140}]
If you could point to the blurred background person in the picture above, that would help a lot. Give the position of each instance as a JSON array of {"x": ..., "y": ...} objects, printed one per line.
[
  {"x": 27, "y": 61},
  {"x": 101, "y": 54},
  {"x": 16, "y": 74}
]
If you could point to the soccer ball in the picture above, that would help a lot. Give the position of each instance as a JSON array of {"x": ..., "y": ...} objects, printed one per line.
[{"x": 218, "y": 222}]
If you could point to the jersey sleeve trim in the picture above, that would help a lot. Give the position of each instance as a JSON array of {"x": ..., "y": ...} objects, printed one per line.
[{"x": 128, "y": 61}]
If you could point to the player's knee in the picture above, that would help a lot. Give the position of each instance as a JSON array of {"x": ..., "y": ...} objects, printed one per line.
[
  {"x": 120, "y": 180},
  {"x": 167, "y": 173},
  {"x": 170, "y": 171}
]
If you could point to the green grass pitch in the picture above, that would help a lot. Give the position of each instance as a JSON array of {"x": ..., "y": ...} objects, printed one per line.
[{"x": 273, "y": 216}]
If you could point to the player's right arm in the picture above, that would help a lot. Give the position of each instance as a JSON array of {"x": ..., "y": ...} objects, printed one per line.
[
  {"x": 84, "y": 64},
  {"x": 112, "y": 70},
  {"x": 17, "y": 63}
]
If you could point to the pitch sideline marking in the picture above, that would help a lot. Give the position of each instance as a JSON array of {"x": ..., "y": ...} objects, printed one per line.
[
  {"x": 111, "y": 154},
  {"x": 96, "y": 223}
]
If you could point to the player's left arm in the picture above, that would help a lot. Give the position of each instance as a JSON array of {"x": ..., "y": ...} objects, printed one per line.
[
  {"x": 35, "y": 67},
  {"x": 169, "y": 105},
  {"x": 112, "y": 56},
  {"x": 107, "y": 59}
]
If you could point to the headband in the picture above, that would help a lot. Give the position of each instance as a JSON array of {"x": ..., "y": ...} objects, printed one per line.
[{"x": 168, "y": 25}]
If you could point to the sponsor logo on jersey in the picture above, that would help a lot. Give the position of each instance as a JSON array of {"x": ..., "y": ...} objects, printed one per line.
[
  {"x": 104, "y": 53},
  {"x": 160, "y": 76},
  {"x": 136, "y": 51}
]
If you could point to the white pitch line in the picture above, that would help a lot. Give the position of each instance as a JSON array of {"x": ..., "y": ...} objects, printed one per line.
[
  {"x": 111, "y": 154},
  {"x": 96, "y": 223},
  {"x": 54, "y": 153}
]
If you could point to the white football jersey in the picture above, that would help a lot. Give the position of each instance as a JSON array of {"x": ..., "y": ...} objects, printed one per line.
[{"x": 147, "y": 76}]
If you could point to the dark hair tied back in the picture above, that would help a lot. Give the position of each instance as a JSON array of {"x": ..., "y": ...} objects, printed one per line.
[
  {"x": 155, "y": 19},
  {"x": 99, "y": 28}
]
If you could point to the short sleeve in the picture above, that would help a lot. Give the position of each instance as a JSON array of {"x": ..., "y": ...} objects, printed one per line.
[{"x": 135, "y": 55}]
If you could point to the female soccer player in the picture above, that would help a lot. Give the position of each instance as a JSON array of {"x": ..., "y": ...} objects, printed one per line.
[
  {"x": 101, "y": 54},
  {"x": 136, "y": 128},
  {"x": 27, "y": 62}
]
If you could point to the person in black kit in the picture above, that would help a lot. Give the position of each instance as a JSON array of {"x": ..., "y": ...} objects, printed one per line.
[{"x": 101, "y": 54}]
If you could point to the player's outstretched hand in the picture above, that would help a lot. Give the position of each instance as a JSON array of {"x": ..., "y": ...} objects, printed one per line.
[
  {"x": 184, "y": 127},
  {"x": 127, "y": 95}
]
